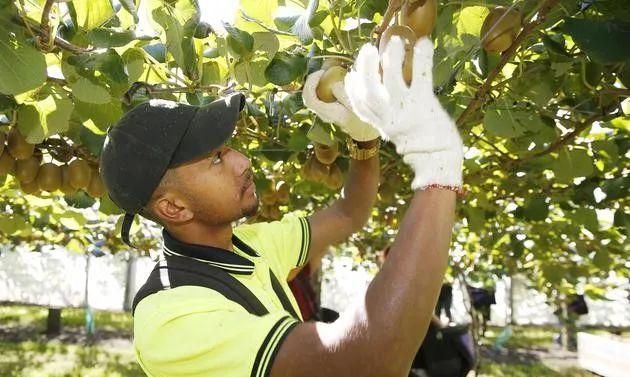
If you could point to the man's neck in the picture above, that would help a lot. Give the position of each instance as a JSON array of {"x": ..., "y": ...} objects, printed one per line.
[{"x": 202, "y": 234}]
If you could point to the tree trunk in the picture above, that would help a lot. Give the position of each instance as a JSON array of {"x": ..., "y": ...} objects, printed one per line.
[{"x": 53, "y": 323}]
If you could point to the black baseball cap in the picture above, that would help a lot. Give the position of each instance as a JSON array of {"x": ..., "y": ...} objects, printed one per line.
[{"x": 157, "y": 135}]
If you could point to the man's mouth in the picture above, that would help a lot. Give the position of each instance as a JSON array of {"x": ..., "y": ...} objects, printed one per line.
[{"x": 249, "y": 181}]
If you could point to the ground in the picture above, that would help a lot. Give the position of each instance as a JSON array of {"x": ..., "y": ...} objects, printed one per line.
[{"x": 26, "y": 352}]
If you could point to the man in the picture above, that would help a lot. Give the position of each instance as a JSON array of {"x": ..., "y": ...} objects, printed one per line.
[{"x": 183, "y": 176}]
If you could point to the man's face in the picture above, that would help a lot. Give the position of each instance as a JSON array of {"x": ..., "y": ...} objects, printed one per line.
[{"x": 218, "y": 188}]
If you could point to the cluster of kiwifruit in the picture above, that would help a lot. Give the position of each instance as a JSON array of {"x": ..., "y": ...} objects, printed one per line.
[
  {"x": 277, "y": 194},
  {"x": 22, "y": 160},
  {"x": 321, "y": 167},
  {"x": 417, "y": 19},
  {"x": 499, "y": 29}
]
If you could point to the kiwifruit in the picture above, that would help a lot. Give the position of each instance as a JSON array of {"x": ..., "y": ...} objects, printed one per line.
[
  {"x": 326, "y": 154},
  {"x": 26, "y": 170},
  {"x": 268, "y": 197},
  {"x": 19, "y": 148},
  {"x": 29, "y": 187},
  {"x": 66, "y": 188},
  {"x": 332, "y": 75},
  {"x": 334, "y": 179},
  {"x": 409, "y": 38},
  {"x": 314, "y": 170},
  {"x": 79, "y": 173},
  {"x": 7, "y": 163},
  {"x": 500, "y": 28},
  {"x": 273, "y": 212},
  {"x": 96, "y": 188},
  {"x": 419, "y": 15},
  {"x": 3, "y": 138},
  {"x": 49, "y": 177},
  {"x": 282, "y": 192}
]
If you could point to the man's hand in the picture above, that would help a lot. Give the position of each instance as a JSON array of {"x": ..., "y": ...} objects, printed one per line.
[
  {"x": 340, "y": 112},
  {"x": 411, "y": 117}
]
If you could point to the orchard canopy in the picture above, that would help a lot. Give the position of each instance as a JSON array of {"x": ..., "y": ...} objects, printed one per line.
[{"x": 545, "y": 121}]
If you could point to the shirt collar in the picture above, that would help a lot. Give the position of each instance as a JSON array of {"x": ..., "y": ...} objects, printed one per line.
[{"x": 214, "y": 256}]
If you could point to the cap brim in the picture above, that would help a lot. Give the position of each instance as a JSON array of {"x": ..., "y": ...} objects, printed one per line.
[{"x": 211, "y": 126}]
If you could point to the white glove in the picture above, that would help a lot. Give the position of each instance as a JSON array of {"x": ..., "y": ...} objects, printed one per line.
[
  {"x": 340, "y": 112},
  {"x": 411, "y": 117}
]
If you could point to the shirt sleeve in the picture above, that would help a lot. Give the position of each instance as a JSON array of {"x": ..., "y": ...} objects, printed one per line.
[
  {"x": 223, "y": 343},
  {"x": 284, "y": 243}
]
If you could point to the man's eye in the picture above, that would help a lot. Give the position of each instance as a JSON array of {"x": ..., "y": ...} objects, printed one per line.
[{"x": 216, "y": 159}]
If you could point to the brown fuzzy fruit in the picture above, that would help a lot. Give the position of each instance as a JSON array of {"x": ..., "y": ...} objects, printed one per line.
[
  {"x": 26, "y": 170},
  {"x": 269, "y": 197},
  {"x": 282, "y": 192},
  {"x": 334, "y": 179},
  {"x": 499, "y": 29},
  {"x": 3, "y": 138},
  {"x": 19, "y": 148},
  {"x": 326, "y": 154},
  {"x": 96, "y": 188},
  {"x": 79, "y": 174},
  {"x": 314, "y": 170},
  {"x": 420, "y": 16},
  {"x": 65, "y": 181},
  {"x": 7, "y": 164},
  {"x": 49, "y": 177},
  {"x": 29, "y": 187},
  {"x": 332, "y": 75},
  {"x": 409, "y": 38}
]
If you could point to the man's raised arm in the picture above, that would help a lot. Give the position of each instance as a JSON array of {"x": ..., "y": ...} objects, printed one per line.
[{"x": 382, "y": 331}]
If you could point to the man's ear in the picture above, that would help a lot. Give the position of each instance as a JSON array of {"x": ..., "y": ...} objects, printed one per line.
[{"x": 172, "y": 209}]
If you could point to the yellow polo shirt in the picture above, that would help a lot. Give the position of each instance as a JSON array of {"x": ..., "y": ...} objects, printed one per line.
[{"x": 194, "y": 331}]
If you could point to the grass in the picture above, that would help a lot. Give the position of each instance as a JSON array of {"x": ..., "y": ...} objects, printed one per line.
[
  {"x": 26, "y": 352},
  {"x": 56, "y": 359},
  {"x": 35, "y": 317}
]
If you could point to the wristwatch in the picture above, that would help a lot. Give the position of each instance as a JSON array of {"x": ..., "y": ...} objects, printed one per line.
[{"x": 363, "y": 152}]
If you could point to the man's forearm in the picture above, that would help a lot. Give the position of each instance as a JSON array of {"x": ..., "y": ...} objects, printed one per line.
[
  {"x": 360, "y": 188},
  {"x": 393, "y": 318}
]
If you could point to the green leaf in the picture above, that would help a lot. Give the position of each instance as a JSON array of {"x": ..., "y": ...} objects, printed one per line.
[
  {"x": 43, "y": 118},
  {"x": 105, "y": 38},
  {"x": 102, "y": 116},
  {"x": 210, "y": 74},
  {"x": 536, "y": 209},
  {"x": 79, "y": 200},
  {"x": 85, "y": 90},
  {"x": 585, "y": 217},
  {"x": 298, "y": 141},
  {"x": 319, "y": 133},
  {"x": 572, "y": 164},
  {"x": 606, "y": 149},
  {"x": 605, "y": 41},
  {"x": 476, "y": 219},
  {"x": 616, "y": 188},
  {"x": 622, "y": 220},
  {"x": 179, "y": 40},
  {"x": 22, "y": 67},
  {"x": 267, "y": 43},
  {"x": 602, "y": 259},
  {"x": 13, "y": 224},
  {"x": 108, "y": 207},
  {"x": 252, "y": 72},
  {"x": 511, "y": 123},
  {"x": 240, "y": 42},
  {"x": 134, "y": 63},
  {"x": 93, "y": 13},
  {"x": 71, "y": 220},
  {"x": 285, "y": 68}
]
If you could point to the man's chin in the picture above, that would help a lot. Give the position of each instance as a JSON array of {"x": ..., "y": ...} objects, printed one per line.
[{"x": 251, "y": 210}]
